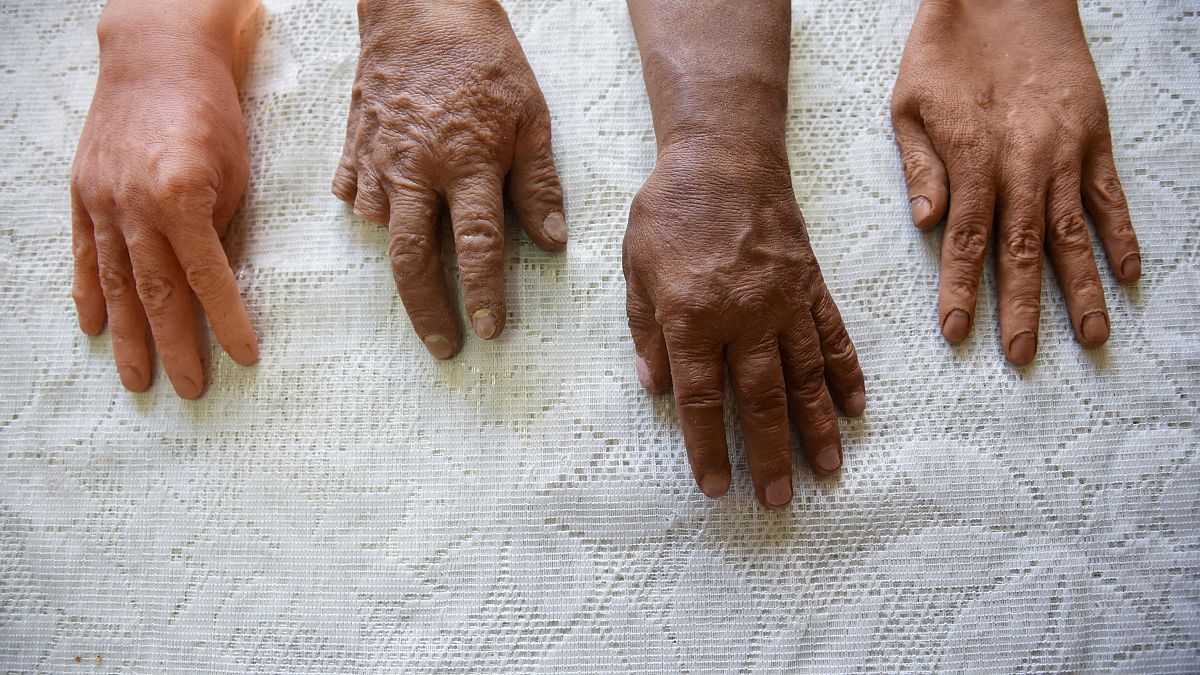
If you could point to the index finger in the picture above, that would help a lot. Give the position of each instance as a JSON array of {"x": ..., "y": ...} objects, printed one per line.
[
  {"x": 208, "y": 273},
  {"x": 699, "y": 376}
]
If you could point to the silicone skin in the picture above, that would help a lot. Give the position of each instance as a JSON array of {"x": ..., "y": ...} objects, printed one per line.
[
  {"x": 1003, "y": 126},
  {"x": 717, "y": 261},
  {"x": 159, "y": 173},
  {"x": 445, "y": 110}
]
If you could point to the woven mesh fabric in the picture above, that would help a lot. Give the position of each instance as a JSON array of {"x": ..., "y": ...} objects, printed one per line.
[{"x": 350, "y": 503}]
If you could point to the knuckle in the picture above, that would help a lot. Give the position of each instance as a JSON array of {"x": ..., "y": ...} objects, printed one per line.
[
  {"x": 155, "y": 291},
  {"x": 205, "y": 278},
  {"x": 480, "y": 245},
  {"x": 1023, "y": 242},
  {"x": 698, "y": 399},
  {"x": 639, "y": 313},
  {"x": 122, "y": 342},
  {"x": 114, "y": 283},
  {"x": 1108, "y": 189},
  {"x": 84, "y": 249},
  {"x": 541, "y": 183},
  {"x": 765, "y": 405},
  {"x": 807, "y": 379},
  {"x": 968, "y": 237},
  {"x": 1085, "y": 285},
  {"x": 1070, "y": 231},
  {"x": 963, "y": 287},
  {"x": 370, "y": 194},
  {"x": 478, "y": 231},
  {"x": 684, "y": 315},
  {"x": 182, "y": 190},
  {"x": 839, "y": 347},
  {"x": 410, "y": 253},
  {"x": 425, "y": 314},
  {"x": 968, "y": 146},
  {"x": 917, "y": 164},
  {"x": 1024, "y": 306}
]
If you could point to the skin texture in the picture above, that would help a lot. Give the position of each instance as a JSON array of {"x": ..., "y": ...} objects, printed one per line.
[
  {"x": 160, "y": 169},
  {"x": 444, "y": 111},
  {"x": 717, "y": 262},
  {"x": 1002, "y": 123}
]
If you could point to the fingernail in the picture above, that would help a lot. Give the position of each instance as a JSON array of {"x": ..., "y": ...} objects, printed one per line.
[
  {"x": 714, "y": 486},
  {"x": 439, "y": 346},
  {"x": 187, "y": 387},
  {"x": 921, "y": 209},
  {"x": 1094, "y": 328},
  {"x": 1131, "y": 267},
  {"x": 779, "y": 492},
  {"x": 555, "y": 228},
  {"x": 856, "y": 403},
  {"x": 131, "y": 378},
  {"x": 1022, "y": 348},
  {"x": 956, "y": 325},
  {"x": 484, "y": 323},
  {"x": 246, "y": 354},
  {"x": 829, "y": 459},
  {"x": 643, "y": 372}
]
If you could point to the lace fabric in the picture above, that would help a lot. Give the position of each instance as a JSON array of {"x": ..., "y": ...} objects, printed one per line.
[{"x": 351, "y": 504}]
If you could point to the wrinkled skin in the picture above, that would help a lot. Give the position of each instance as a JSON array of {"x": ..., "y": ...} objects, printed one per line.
[
  {"x": 1002, "y": 124},
  {"x": 717, "y": 261},
  {"x": 158, "y": 175},
  {"x": 444, "y": 110}
]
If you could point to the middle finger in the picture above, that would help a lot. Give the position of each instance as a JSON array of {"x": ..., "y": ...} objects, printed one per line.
[
  {"x": 757, "y": 373},
  {"x": 165, "y": 294}
]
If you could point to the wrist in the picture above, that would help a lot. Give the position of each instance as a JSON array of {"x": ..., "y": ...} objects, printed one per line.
[
  {"x": 713, "y": 114},
  {"x": 1063, "y": 8},
  {"x": 132, "y": 32},
  {"x": 418, "y": 12},
  {"x": 701, "y": 96},
  {"x": 740, "y": 158}
]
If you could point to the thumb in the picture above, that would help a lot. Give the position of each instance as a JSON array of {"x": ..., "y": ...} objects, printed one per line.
[
  {"x": 652, "y": 363},
  {"x": 928, "y": 187},
  {"x": 533, "y": 182}
]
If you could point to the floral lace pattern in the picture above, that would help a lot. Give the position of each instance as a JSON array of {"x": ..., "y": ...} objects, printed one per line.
[{"x": 350, "y": 503}]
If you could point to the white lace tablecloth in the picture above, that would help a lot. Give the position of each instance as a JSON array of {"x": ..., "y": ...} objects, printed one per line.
[{"x": 350, "y": 503}]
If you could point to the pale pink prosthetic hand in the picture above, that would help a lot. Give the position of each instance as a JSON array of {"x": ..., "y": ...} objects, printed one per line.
[
  {"x": 445, "y": 110},
  {"x": 160, "y": 170}
]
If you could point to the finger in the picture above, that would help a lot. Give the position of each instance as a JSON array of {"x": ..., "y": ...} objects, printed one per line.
[
  {"x": 843, "y": 374},
  {"x": 415, "y": 251},
  {"x": 229, "y": 198},
  {"x": 1105, "y": 200},
  {"x": 127, "y": 319},
  {"x": 1021, "y": 223},
  {"x": 698, "y": 373},
  {"x": 477, "y": 212},
  {"x": 533, "y": 183},
  {"x": 85, "y": 289},
  {"x": 968, "y": 229},
  {"x": 651, "y": 362},
  {"x": 163, "y": 290},
  {"x": 809, "y": 402},
  {"x": 207, "y": 271},
  {"x": 757, "y": 372},
  {"x": 1070, "y": 250},
  {"x": 928, "y": 187},
  {"x": 345, "y": 177},
  {"x": 370, "y": 200}
]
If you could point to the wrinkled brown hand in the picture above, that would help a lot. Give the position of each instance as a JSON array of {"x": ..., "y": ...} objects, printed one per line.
[
  {"x": 159, "y": 172},
  {"x": 445, "y": 107},
  {"x": 717, "y": 261},
  {"x": 1001, "y": 121}
]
